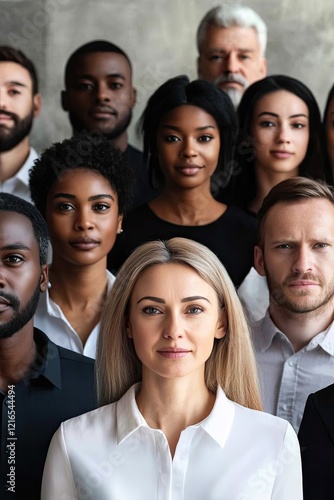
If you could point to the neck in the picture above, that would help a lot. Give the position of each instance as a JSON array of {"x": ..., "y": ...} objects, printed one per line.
[
  {"x": 265, "y": 182},
  {"x": 172, "y": 404},
  {"x": 17, "y": 353},
  {"x": 300, "y": 328},
  {"x": 72, "y": 284},
  {"x": 11, "y": 161},
  {"x": 121, "y": 141},
  {"x": 189, "y": 207}
]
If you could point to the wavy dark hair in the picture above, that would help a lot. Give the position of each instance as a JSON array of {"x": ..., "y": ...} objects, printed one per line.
[
  {"x": 313, "y": 165},
  {"x": 328, "y": 166},
  {"x": 179, "y": 91}
]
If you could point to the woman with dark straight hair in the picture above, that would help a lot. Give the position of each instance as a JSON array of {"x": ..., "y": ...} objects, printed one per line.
[
  {"x": 189, "y": 132},
  {"x": 279, "y": 137}
]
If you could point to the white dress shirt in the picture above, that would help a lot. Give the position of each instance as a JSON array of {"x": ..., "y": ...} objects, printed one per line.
[
  {"x": 234, "y": 454},
  {"x": 51, "y": 320},
  {"x": 19, "y": 184},
  {"x": 288, "y": 377},
  {"x": 254, "y": 295}
]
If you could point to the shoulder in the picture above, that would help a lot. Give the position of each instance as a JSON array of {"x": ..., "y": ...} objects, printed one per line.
[
  {"x": 238, "y": 214},
  {"x": 133, "y": 154}
]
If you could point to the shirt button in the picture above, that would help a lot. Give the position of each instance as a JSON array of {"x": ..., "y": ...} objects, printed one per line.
[
  {"x": 285, "y": 407},
  {"x": 291, "y": 363}
]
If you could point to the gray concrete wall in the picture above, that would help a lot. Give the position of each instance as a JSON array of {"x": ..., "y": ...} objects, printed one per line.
[{"x": 159, "y": 36}]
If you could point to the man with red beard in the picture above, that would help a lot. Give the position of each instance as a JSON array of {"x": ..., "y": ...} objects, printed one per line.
[
  {"x": 20, "y": 103},
  {"x": 294, "y": 342}
]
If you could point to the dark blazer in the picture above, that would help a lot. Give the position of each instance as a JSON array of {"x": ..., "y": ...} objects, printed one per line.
[{"x": 316, "y": 438}]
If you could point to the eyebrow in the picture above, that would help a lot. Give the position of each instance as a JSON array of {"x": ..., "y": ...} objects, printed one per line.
[
  {"x": 177, "y": 129},
  {"x": 91, "y": 198},
  {"x": 110, "y": 75},
  {"x": 17, "y": 84},
  {"x": 277, "y": 116},
  {"x": 162, "y": 301},
  {"x": 15, "y": 246}
]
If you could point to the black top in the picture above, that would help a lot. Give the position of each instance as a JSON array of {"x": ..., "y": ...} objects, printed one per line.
[
  {"x": 143, "y": 193},
  {"x": 60, "y": 386},
  {"x": 316, "y": 438},
  {"x": 231, "y": 237}
]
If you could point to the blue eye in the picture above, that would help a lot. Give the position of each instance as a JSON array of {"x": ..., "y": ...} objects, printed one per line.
[{"x": 151, "y": 310}]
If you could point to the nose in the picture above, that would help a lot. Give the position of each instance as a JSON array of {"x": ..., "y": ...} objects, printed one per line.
[
  {"x": 283, "y": 135},
  {"x": 102, "y": 92},
  {"x": 3, "y": 98},
  {"x": 2, "y": 277},
  {"x": 83, "y": 220},
  {"x": 173, "y": 327},
  {"x": 303, "y": 261},
  {"x": 232, "y": 63},
  {"x": 189, "y": 149}
]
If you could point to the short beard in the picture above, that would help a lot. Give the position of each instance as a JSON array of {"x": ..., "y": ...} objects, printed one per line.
[
  {"x": 110, "y": 134},
  {"x": 21, "y": 318},
  {"x": 10, "y": 138}
]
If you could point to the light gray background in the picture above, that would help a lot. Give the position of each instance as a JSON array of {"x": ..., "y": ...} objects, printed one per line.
[{"x": 159, "y": 37}]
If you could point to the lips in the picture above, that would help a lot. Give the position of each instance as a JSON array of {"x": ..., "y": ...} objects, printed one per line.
[
  {"x": 103, "y": 112},
  {"x": 189, "y": 170},
  {"x": 84, "y": 244},
  {"x": 4, "y": 304},
  {"x": 281, "y": 154},
  {"x": 173, "y": 352}
]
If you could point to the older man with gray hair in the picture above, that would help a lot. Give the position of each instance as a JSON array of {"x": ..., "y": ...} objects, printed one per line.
[{"x": 231, "y": 42}]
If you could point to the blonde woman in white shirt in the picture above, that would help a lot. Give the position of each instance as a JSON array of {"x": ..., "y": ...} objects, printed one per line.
[
  {"x": 81, "y": 186},
  {"x": 175, "y": 347}
]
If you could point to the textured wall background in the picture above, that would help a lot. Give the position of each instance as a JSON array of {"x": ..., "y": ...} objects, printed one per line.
[{"x": 159, "y": 36}]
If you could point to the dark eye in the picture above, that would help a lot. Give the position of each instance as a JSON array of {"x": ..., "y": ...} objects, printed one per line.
[
  {"x": 13, "y": 259},
  {"x": 215, "y": 57},
  {"x": 65, "y": 207},
  {"x": 14, "y": 92},
  {"x": 205, "y": 138},
  {"x": 85, "y": 86},
  {"x": 172, "y": 138},
  {"x": 243, "y": 57},
  {"x": 298, "y": 125},
  {"x": 267, "y": 124},
  {"x": 101, "y": 207},
  {"x": 284, "y": 246},
  {"x": 115, "y": 85}
]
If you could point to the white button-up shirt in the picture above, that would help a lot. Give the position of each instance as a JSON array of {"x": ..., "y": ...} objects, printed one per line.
[
  {"x": 234, "y": 454},
  {"x": 51, "y": 320},
  {"x": 288, "y": 377},
  {"x": 254, "y": 295},
  {"x": 19, "y": 184}
]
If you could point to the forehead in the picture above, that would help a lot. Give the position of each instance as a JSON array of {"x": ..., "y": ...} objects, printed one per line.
[
  {"x": 232, "y": 38},
  {"x": 73, "y": 181},
  {"x": 281, "y": 102},
  {"x": 17, "y": 229},
  {"x": 189, "y": 115},
  {"x": 13, "y": 72},
  {"x": 300, "y": 219},
  {"x": 100, "y": 65}
]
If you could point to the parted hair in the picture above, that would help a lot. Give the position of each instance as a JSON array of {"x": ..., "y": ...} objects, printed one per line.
[
  {"x": 231, "y": 364},
  {"x": 179, "y": 91},
  {"x": 292, "y": 190}
]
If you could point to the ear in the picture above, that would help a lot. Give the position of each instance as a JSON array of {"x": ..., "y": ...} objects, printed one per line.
[
  {"x": 36, "y": 104},
  {"x": 222, "y": 324},
  {"x": 128, "y": 328},
  {"x": 64, "y": 100},
  {"x": 133, "y": 96},
  {"x": 263, "y": 68},
  {"x": 119, "y": 224},
  {"x": 44, "y": 277},
  {"x": 259, "y": 261}
]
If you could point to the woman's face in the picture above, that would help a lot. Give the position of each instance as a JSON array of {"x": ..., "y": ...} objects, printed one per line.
[
  {"x": 82, "y": 216},
  {"x": 174, "y": 318},
  {"x": 329, "y": 129},
  {"x": 280, "y": 132},
  {"x": 188, "y": 144}
]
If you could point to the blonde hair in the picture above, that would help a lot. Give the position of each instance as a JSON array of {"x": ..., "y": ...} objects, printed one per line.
[{"x": 231, "y": 364}]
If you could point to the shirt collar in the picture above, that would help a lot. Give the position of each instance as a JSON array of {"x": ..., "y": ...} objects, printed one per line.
[
  {"x": 325, "y": 340},
  {"x": 47, "y": 362},
  {"x": 23, "y": 173},
  {"x": 129, "y": 418},
  {"x": 264, "y": 332}
]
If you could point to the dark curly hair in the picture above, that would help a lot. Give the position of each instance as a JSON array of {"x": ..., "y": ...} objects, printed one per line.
[
  {"x": 176, "y": 92},
  {"x": 12, "y": 203},
  {"x": 81, "y": 152}
]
